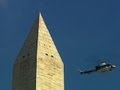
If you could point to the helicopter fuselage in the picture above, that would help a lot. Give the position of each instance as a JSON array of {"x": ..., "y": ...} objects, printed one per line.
[{"x": 104, "y": 68}]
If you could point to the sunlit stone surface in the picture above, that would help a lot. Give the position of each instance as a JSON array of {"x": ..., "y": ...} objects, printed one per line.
[{"x": 38, "y": 65}]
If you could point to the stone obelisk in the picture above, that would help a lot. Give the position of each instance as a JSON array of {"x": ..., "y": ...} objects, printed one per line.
[{"x": 38, "y": 65}]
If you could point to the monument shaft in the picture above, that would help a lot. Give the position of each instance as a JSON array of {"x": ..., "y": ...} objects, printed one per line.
[{"x": 38, "y": 65}]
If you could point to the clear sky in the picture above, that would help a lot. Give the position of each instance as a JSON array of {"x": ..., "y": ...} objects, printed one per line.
[{"x": 83, "y": 31}]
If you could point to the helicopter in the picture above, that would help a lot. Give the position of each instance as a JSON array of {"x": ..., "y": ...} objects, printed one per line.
[{"x": 102, "y": 67}]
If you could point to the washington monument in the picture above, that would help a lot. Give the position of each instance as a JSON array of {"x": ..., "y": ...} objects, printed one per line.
[{"x": 38, "y": 65}]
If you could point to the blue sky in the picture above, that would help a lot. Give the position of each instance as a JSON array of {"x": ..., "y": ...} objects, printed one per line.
[{"x": 83, "y": 30}]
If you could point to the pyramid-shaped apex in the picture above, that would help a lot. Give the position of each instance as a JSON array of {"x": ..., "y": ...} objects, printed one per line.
[
  {"x": 40, "y": 17},
  {"x": 39, "y": 42},
  {"x": 41, "y": 22},
  {"x": 40, "y": 14}
]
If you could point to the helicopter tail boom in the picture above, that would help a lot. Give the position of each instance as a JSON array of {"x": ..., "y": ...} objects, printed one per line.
[{"x": 86, "y": 72}]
